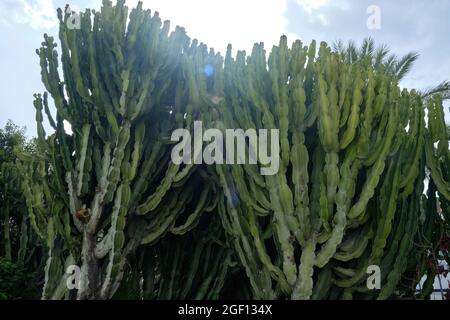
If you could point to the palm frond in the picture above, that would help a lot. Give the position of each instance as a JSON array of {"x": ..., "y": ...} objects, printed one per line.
[
  {"x": 339, "y": 47},
  {"x": 352, "y": 52},
  {"x": 381, "y": 59},
  {"x": 402, "y": 67},
  {"x": 380, "y": 55},
  {"x": 390, "y": 64},
  {"x": 367, "y": 47},
  {"x": 443, "y": 89}
]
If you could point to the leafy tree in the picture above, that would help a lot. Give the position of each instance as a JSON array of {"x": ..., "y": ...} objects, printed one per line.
[
  {"x": 16, "y": 282},
  {"x": 11, "y": 207},
  {"x": 19, "y": 254}
]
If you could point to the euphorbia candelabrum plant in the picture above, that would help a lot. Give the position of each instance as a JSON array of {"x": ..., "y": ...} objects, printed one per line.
[
  {"x": 99, "y": 192},
  {"x": 348, "y": 194}
]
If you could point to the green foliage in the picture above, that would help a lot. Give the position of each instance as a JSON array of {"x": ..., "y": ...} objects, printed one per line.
[
  {"x": 16, "y": 282},
  {"x": 11, "y": 136},
  {"x": 380, "y": 57},
  {"x": 13, "y": 214},
  {"x": 19, "y": 254},
  {"x": 355, "y": 152}
]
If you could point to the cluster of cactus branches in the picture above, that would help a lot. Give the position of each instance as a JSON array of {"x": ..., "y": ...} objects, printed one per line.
[
  {"x": 110, "y": 186},
  {"x": 355, "y": 154}
]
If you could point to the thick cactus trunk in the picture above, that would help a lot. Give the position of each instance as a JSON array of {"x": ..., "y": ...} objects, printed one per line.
[{"x": 90, "y": 282}]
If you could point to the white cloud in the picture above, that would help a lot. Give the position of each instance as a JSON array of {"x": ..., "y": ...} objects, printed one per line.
[
  {"x": 214, "y": 22},
  {"x": 323, "y": 19},
  {"x": 38, "y": 14},
  {"x": 5, "y": 22},
  {"x": 318, "y": 10},
  {"x": 310, "y": 5},
  {"x": 218, "y": 22}
]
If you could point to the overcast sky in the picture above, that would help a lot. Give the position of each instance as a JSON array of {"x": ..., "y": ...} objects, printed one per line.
[{"x": 405, "y": 25}]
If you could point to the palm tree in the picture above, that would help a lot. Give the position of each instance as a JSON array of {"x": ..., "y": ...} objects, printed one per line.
[
  {"x": 393, "y": 65},
  {"x": 442, "y": 89}
]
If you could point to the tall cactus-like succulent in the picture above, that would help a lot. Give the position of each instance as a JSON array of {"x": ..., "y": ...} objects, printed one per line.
[
  {"x": 348, "y": 194},
  {"x": 112, "y": 175},
  {"x": 193, "y": 266},
  {"x": 50, "y": 220}
]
